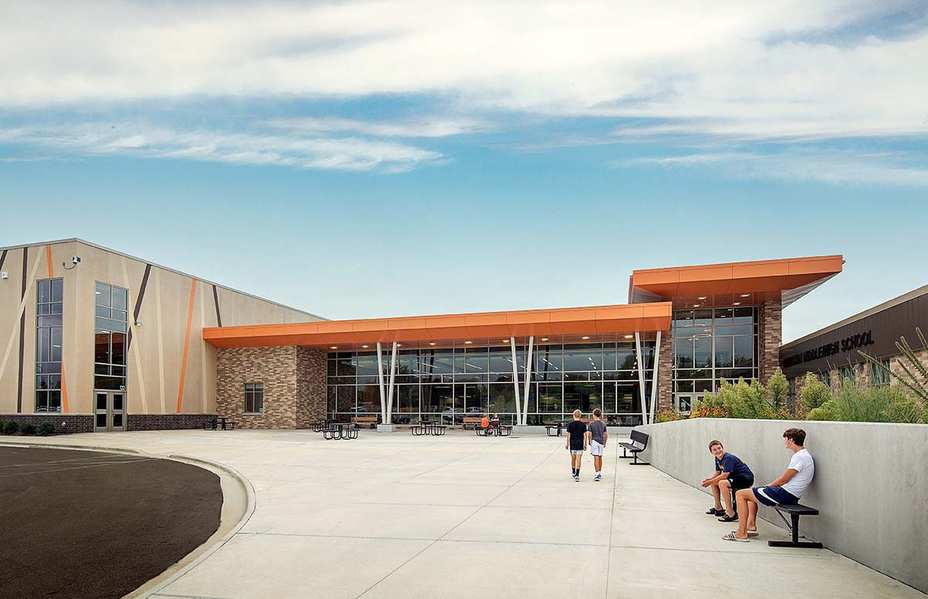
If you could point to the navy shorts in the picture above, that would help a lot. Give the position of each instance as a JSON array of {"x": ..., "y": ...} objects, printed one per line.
[
  {"x": 741, "y": 482},
  {"x": 771, "y": 496}
]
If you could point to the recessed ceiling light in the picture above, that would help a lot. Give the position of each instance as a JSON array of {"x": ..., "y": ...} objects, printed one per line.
[
  {"x": 696, "y": 305},
  {"x": 504, "y": 341},
  {"x": 585, "y": 337},
  {"x": 737, "y": 303},
  {"x": 629, "y": 336},
  {"x": 468, "y": 342},
  {"x": 431, "y": 343},
  {"x": 399, "y": 345},
  {"x": 364, "y": 346},
  {"x": 544, "y": 338},
  {"x": 745, "y": 295},
  {"x": 333, "y": 347},
  {"x": 702, "y": 297}
]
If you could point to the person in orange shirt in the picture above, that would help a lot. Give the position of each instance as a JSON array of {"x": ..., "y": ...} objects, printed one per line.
[{"x": 485, "y": 422}]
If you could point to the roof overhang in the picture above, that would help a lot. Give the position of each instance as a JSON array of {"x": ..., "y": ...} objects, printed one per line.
[
  {"x": 561, "y": 322},
  {"x": 788, "y": 278}
]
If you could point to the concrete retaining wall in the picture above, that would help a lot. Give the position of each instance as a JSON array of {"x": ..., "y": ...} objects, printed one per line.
[{"x": 871, "y": 481}]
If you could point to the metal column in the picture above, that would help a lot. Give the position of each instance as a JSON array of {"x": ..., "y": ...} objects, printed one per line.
[
  {"x": 528, "y": 380},
  {"x": 641, "y": 388},
  {"x": 657, "y": 359},
  {"x": 383, "y": 397},
  {"x": 392, "y": 379},
  {"x": 515, "y": 377}
]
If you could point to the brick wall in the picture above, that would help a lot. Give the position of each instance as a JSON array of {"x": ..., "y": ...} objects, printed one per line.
[
  {"x": 293, "y": 379},
  {"x": 274, "y": 367},
  {"x": 63, "y": 423},
  {"x": 770, "y": 337},
  {"x": 665, "y": 372},
  {"x": 311, "y": 386},
  {"x": 158, "y": 422}
]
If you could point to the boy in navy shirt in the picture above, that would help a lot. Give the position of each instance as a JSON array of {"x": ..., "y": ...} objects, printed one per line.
[
  {"x": 576, "y": 443},
  {"x": 730, "y": 473}
]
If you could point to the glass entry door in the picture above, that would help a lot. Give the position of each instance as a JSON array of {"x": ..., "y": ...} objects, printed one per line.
[
  {"x": 683, "y": 402},
  {"x": 109, "y": 411}
]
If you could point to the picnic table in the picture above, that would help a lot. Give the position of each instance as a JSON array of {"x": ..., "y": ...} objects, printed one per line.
[
  {"x": 502, "y": 430},
  {"x": 340, "y": 430},
  {"x": 219, "y": 423},
  {"x": 428, "y": 428}
]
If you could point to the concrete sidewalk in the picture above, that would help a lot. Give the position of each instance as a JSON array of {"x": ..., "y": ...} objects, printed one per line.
[{"x": 391, "y": 515}]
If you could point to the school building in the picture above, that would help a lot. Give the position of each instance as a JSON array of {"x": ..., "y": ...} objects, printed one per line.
[{"x": 94, "y": 339}]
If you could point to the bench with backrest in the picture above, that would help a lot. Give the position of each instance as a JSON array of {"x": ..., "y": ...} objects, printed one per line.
[
  {"x": 371, "y": 421},
  {"x": 639, "y": 442},
  {"x": 795, "y": 511},
  {"x": 473, "y": 421}
]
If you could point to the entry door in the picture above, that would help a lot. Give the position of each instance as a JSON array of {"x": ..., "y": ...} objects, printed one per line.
[
  {"x": 683, "y": 402},
  {"x": 109, "y": 411}
]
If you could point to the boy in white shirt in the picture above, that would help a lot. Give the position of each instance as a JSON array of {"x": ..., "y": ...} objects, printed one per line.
[{"x": 786, "y": 490}]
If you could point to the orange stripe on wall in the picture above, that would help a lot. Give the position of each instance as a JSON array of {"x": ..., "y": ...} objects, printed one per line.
[
  {"x": 183, "y": 360},
  {"x": 48, "y": 260},
  {"x": 64, "y": 385}
]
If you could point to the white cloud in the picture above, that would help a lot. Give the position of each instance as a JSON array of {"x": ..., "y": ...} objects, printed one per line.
[
  {"x": 731, "y": 68},
  {"x": 348, "y": 154},
  {"x": 836, "y": 167},
  {"x": 438, "y": 127}
]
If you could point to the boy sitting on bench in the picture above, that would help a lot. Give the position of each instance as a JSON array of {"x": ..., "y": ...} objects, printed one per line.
[
  {"x": 785, "y": 490},
  {"x": 730, "y": 474}
]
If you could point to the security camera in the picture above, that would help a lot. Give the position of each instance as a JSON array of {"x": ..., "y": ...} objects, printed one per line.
[
  {"x": 4, "y": 275},
  {"x": 75, "y": 260}
]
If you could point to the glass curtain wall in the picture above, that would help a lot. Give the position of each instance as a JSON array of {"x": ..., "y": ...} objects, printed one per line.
[
  {"x": 110, "y": 338},
  {"x": 711, "y": 345},
  {"x": 49, "y": 310},
  {"x": 448, "y": 384}
]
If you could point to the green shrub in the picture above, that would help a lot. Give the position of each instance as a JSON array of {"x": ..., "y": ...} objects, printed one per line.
[
  {"x": 28, "y": 429},
  {"x": 855, "y": 402},
  {"x": 2, "y": 426},
  {"x": 778, "y": 390},
  {"x": 710, "y": 406},
  {"x": 10, "y": 428},
  {"x": 814, "y": 393},
  {"x": 741, "y": 400},
  {"x": 46, "y": 429}
]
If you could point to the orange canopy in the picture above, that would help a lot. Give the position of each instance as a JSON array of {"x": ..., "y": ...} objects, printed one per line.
[
  {"x": 476, "y": 327},
  {"x": 791, "y": 278}
]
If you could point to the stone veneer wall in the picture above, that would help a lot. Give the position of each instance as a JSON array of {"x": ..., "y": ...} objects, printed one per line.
[
  {"x": 274, "y": 367},
  {"x": 665, "y": 372},
  {"x": 770, "y": 337},
  {"x": 311, "y": 386},
  {"x": 293, "y": 379}
]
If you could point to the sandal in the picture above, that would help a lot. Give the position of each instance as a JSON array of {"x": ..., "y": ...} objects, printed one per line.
[
  {"x": 731, "y": 537},
  {"x": 714, "y": 512},
  {"x": 751, "y": 533}
]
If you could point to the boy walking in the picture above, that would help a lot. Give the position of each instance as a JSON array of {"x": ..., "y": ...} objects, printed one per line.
[
  {"x": 576, "y": 443},
  {"x": 598, "y": 437}
]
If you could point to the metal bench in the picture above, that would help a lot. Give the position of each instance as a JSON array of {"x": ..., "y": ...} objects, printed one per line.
[
  {"x": 795, "y": 511},
  {"x": 639, "y": 442}
]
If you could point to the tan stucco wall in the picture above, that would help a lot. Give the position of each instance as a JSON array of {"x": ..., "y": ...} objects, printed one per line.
[{"x": 156, "y": 352}]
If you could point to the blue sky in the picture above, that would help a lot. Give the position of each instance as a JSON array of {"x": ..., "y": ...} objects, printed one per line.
[{"x": 356, "y": 161}]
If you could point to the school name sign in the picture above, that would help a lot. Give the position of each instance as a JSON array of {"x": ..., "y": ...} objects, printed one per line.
[{"x": 847, "y": 344}]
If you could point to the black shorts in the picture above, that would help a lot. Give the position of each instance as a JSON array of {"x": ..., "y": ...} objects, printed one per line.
[{"x": 741, "y": 482}]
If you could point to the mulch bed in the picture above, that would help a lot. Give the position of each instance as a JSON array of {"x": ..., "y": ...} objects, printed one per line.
[{"x": 88, "y": 524}]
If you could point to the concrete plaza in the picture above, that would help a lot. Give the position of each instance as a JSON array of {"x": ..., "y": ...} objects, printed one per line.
[{"x": 391, "y": 515}]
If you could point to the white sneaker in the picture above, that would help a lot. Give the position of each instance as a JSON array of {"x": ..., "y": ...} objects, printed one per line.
[
  {"x": 598, "y": 477},
  {"x": 576, "y": 478}
]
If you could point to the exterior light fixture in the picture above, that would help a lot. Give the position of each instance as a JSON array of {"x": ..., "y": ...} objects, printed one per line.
[
  {"x": 333, "y": 347},
  {"x": 736, "y": 303},
  {"x": 701, "y": 297},
  {"x": 745, "y": 295},
  {"x": 364, "y": 346},
  {"x": 696, "y": 305},
  {"x": 585, "y": 337},
  {"x": 431, "y": 343},
  {"x": 399, "y": 345},
  {"x": 629, "y": 336},
  {"x": 468, "y": 342},
  {"x": 544, "y": 338}
]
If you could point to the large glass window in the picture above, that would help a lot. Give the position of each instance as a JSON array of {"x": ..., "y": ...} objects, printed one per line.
[
  {"x": 110, "y": 336},
  {"x": 713, "y": 344},
  {"x": 48, "y": 344},
  {"x": 448, "y": 383}
]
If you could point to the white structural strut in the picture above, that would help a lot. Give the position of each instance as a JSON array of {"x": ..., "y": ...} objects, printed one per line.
[
  {"x": 528, "y": 379},
  {"x": 657, "y": 358},
  {"x": 515, "y": 374},
  {"x": 383, "y": 397},
  {"x": 641, "y": 389},
  {"x": 392, "y": 379}
]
